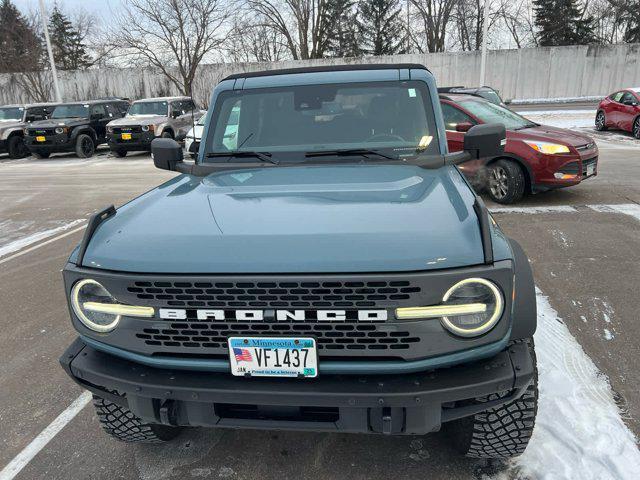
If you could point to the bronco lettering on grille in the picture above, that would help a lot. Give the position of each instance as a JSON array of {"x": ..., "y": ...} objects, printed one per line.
[{"x": 278, "y": 315}]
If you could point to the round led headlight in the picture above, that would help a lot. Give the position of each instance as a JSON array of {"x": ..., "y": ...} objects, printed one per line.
[
  {"x": 59, "y": 130},
  {"x": 473, "y": 291},
  {"x": 88, "y": 293},
  {"x": 145, "y": 128}
]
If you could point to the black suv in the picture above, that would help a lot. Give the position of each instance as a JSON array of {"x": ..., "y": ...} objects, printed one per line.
[{"x": 73, "y": 127}]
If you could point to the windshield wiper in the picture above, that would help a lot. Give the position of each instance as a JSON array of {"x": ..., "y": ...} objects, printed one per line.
[
  {"x": 528, "y": 125},
  {"x": 264, "y": 156},
  {"x": 348, "y": 152}
]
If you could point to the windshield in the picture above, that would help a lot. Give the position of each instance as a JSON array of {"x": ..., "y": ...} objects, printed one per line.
[
  {"x": 393, "y": 118},
  {"x": 149, "y": 108},
  {"x": 70, "y": 111},
  {"x": 490, "y": 95},
  {"x": 11, "y": 113},
  {"x": 201, "y": 120},
  {"x": 491, "y": 113}
]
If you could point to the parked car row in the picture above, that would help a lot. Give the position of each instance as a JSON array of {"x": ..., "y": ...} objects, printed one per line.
[
  {"x": 79, "y": 127},
  {"x": 620, "y": 110}
]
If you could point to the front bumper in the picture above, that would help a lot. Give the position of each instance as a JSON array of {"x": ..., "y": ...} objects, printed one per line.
[
  {"x": 54, "y": 143},
  {"x": 140, "y": 141},
  {"x": 413, "y": 404}
]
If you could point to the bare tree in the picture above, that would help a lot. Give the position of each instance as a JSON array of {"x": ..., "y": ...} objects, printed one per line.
[
  {"x": 434, "y": 17},
  {"x": 251, "y": 40},
  {"x": 517, "y": 18},
  {"x": 305, "y": 25},
  {"x": 173, "y": 36}
]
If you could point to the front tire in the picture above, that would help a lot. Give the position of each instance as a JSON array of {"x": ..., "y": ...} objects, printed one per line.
[
  {"x": 17, "y": 148},
  {"x": 504, "y": 431},
  {"x": 601, "y": 121},
  {"x": 506, "y": 182},
  {"x": 166, "y": 135},
  {"x": 636, "y": 128},
  {"x": 85, "y": 148},
  {"x": 123, "y": 425}
]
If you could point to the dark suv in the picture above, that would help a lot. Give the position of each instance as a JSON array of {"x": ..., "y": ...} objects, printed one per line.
[{"x": 73, "y": 127}]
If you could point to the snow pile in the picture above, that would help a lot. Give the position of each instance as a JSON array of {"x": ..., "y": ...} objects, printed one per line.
[
  {"x": 578, "y": 432},
  {"x": 529, "y": 101},
  {"x": 563, "y": 118}
]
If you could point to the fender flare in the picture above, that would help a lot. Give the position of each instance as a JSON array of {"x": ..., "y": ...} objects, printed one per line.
[
  {"x": 524, "y": 310},
  {"x": 83, "y": 129},
  {"x": 13, "y": 132}
]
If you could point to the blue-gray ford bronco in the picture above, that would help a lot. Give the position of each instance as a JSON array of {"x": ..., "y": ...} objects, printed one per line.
[{"x": 332, "y": 270}]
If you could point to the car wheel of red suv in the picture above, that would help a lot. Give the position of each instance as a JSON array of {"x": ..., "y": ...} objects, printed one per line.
[
  {"x": 601, "y": 123},
  {"x": 636, "y": 128},
  {"x": 506, "y": 182}
]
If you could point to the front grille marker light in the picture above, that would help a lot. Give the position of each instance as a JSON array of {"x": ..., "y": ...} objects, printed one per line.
[
  {"x": 119, "y": 309},
  {"x": 437, "y": 311}
]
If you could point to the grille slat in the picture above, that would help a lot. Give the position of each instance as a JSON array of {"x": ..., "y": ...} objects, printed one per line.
[{"x": 276, "y": 295}]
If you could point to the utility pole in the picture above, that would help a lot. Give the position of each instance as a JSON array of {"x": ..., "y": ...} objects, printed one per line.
[
  {"x": 408, "y": 27},
  {"x": 54, "y": 72},
  {"x": 483, "y": 58}
]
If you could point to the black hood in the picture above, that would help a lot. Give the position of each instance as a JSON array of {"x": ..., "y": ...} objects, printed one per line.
[{"x": 59, "y": 122}]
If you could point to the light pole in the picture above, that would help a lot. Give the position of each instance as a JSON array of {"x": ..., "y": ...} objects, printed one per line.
[
  {"x": 485, "y": 27},
  {"x": 54, "y": 72}
]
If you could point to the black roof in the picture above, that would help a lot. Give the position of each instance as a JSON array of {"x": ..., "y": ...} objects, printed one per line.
[{"x": 328, "y": 68}]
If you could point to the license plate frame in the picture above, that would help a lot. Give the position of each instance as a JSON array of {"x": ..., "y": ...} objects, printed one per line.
[
  {"x": 591, "y": 169},
  {"x": 125, "y": 136},
  {"x": 273, "y": 357},
  {"x": 41, "y": 138}
]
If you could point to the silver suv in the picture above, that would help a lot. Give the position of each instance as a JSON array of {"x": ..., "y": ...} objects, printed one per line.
[
  {"x": 13, "y": 120},
  {"x": 167, "y": 117}
]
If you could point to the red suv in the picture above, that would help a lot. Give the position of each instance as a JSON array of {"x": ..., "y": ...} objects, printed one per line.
[
  {"x": 620, "y": 110},
  {"x": 536, "y": 157}
]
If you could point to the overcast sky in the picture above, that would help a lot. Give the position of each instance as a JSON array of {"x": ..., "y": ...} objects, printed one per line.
[{"x": 102, "y": 8}]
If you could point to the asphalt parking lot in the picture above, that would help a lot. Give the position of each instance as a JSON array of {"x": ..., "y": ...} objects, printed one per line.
[{"x": 583, "y": 242}]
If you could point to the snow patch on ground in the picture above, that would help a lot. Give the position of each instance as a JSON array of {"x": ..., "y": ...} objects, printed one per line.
[
  {"x": 9, "y": 244},
  {"x": 579, "y": 432},
  {"x": 528, "y": 101},
  {"x": 631, "y": 209},
  {"x": 562, "y": 118},
  {"x": 533, "y": 210}
]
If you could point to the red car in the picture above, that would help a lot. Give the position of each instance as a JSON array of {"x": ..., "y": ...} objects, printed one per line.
[
  {"x": 536, "y": 157},
  {"x": 620, "y": 110}
]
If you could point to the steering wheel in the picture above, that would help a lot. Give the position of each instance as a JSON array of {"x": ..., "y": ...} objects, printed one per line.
[{"x": 381, "y": 137}]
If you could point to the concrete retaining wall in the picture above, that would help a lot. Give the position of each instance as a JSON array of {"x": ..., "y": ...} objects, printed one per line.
[{"x": 550, "y": 72}]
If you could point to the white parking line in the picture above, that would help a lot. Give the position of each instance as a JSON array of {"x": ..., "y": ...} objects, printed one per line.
[
  {"x": 35, "y": 247},
  {"x": 25, "y": 456},
  {"x": 533, "y": 210}
]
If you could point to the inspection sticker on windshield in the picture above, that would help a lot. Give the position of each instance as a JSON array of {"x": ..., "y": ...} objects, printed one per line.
[
  {"x": 273, "y": 357},
  {"x": 412, "y": 92}
]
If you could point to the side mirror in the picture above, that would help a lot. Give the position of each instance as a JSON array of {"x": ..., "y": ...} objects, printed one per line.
[
  {"x": 463, "y": 127},
  {"x": 507, "y": 101},
  {"x": 166, "y": 153},
  {"x": 485, "y": 141}
]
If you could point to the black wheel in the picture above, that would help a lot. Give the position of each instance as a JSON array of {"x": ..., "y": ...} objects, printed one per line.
[
  {"x": 166, "y": 135},
  {"x": 16, "y": 147},
  {"x": 506, "y": 182},
  {"x": 500, "y": 432},
  {"x": 601, "y": 123},
  {"x": 40, "y": 154},
  {"x": 119, "y": 153},
  {"x": 85, "y": 148},
  {"x": 636, "y": 128},
  {"x": 123, "y": 425}
]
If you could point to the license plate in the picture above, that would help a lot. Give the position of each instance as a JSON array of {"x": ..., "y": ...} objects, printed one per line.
[
  {"x": 41, "y": 139},
  {"x": 273, "y": 357},
  {"x": 591, "y": 169},
  {"x": 126, "y": 136}
]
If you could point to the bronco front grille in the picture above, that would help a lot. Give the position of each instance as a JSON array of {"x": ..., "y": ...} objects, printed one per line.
[
  {"x": 343, "y": 294},
  {"x": 195, "y": 334}
]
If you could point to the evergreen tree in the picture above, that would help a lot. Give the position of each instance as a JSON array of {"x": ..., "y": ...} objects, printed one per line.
[
  {"x": 19, "y": 42},
  {"x": 343, "y": 38},
  {"x": 68, "y": 50},
  {"x": 381, "y": 30},
  {"x": 561, "y": 22}
]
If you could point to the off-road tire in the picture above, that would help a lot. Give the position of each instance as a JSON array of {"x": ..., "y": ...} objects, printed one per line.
[
  {"x": 505, "y": 181},
  {"x": 635, "y": 129},
  {"x": 40, "y": 154},
  {"x": 123, "y": 425},
  {"x": 119, "y": 153},
  {"x": 504, "y": 431},
  {"x": 85, "y": 147},
  {"x": 166, "y": 135},
  {"x": 601, "y": 122},
  {"x": 17, "y": 148}
]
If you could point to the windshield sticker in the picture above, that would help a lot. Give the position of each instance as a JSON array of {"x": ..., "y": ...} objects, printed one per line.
[
  {"x": 412, "y": 92},
  {"x": 425, "y": 141}
]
